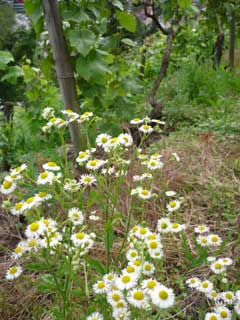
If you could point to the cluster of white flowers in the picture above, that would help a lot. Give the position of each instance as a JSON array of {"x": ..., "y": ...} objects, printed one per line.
[
  {"x": 207, "y": 240},
  {"x": 10, "y": 182},
  {"x": 136, "y": 286},
  {"x": 53, "y": 121}
]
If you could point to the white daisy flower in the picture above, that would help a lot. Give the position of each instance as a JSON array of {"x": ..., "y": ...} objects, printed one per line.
[
  {"x": 211, "y": 259},
  {"x": 102, "y": 139},
  {"x": 142, "y": 233},
  {"x": 214, "y": 240},
  {"x": 114, "y": 297},
  {"x": 193, "y": 282},
  {"x": 176, "y": 227},
  {"x": 201, "y": 229},
  {"x": 13, "y": 272},
  {"x": 125, "y": 139},
  {"x": 205, "y": 286},
  {"x": 132, "y": 255},
  {"x": 173, "y": 205},
  {"x": 121, "y": 314},
  {"x": 110, "y": 278},
  {"x": 226, "y": 261},
  {"x": 94, "y": 217},
  {"x": 164, "y": 225},
  {"x": 7, "y": 187},
  {"x": 149, "y": 284},
  {"x": 212, "y": 316},
  {"x": 112, "y": 144},
  {"x": 18, "y": 209},
  {"x": 52, "y": 240},
  {"x": 213, "y": 295},
  {"x": 35, "y": 229},
  {"x": 51, "y": 166},
  {"x": 217, "y": 267},
  {"x": 138, "y": 298},
  {"x": 126, "y": 281},
  {"x": 170, "y": 193},
  {"x": 18, "y": 170},
  {"x": 72, "y": 116},
  {"x": 162, "y": 297},
  {"x": 156, "y": 254},
  {"x": 43, "y": 196},
  {"x": 144, "y": 193},
  {"x": 79, "y": 239},
  {"x": 71, "y": 185},
  {"x": 148, "y": 268},
  {"x": 237, "y": 308},
  {"x": 154, "y": 245},
  {"x": 223, "y": 312},
  {"x": 85, "y": 117},
  {"x": 228, "y": 297},
  {"x": 146, "y": 129},
  {"x": 154, "y": 164},
  {"x": 83, "y": 156},
  {"x": 136, "y": 121},
  {"x": 95, "y": 316},
  {"x": 33, "y": 244},
  {"x": 31, "y": 202},
  {"x": 100, "y": 287},
  {"x": 19, "y": 250},
  {"x": 94, "y": 164},
  {"x": 237, "y": 295},
  {"x": 203, "y": 241},
  {"x": 50, "y": 224},
  {"x": 45, "y": 177},
  {"x": 87, "y": 180},
  {"x": 131, "y": 269}
]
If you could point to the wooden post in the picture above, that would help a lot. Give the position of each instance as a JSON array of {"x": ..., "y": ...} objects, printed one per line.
[{"x": 63, "y": 66}]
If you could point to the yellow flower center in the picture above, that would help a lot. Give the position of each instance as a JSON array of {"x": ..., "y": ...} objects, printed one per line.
[
  {"x": 214, "y": 238},
  {"x": 163, "y": 295},
  {"x": 204, "y": 240},
  {"x": 164, "y": 225},
  {"x": 153, "y": 244},
  {"x": 93, "y": 163},
  {"x": 228, "y": 295},
  {"x": 145, "y": 127},
  {"x": 151, "y": 237},
  {"x": 172, "y": 204},
  {"x": 32, "y": 243},
  {"x": 51, "y": 164},
  {"x": 151, "y": 284},
  {"x": 87, "y": 179},
  {"x": 137, "y": 263},
  {"x": 46, "y": 222},
  {"x": 214, "y": 294},
  {"x": 213, "y": 317},
  {"x": 223, "y": 314},
  {"x": 34, "y": 226},
  {"x": 53, "y": 120},
  {"x": 143, "y": 231},
  {"x": 138, "y": 295},
  {"x": 205, "y": 285},
  {"x": 18, "y": 206},
  {"x": 101, "y": 285},
  {"x": 126, "y": 279},
  {"x": 144, "y": 192},
  {"x": 110, "y": 277},
  {"x": 218, "y": 266},
  {"x": 30, "y": 200},
  {"x": 116, "y": 297},
  {"x": 18, "y": 249},
  {"x": 44, "y": 175},
  {"x": 201, "y": 228},
  {"x": 175, "y": 225},
  {"x": 82, "y": 155},
  {"x": 130, "y": 269},
  {"x": 148, "y": 267},
  {"x": 192, "y": 281},
  {"x": 80, "y": 235},
  {"x": 133, "y": 254},
  {"x": 13, "y": 270},
  {"x": 120, "y": 305},
  {"x": 134, "y": 229},
  {"x": 7, "y": 184},
  {"x": 42, "y": 194},
  {"x": 104, "y": 139}
]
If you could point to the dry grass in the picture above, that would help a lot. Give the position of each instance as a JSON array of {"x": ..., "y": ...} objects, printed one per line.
[{"x": 208, "y": 177}]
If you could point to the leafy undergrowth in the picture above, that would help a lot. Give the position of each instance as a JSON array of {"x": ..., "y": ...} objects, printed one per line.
[{"x": 206, "y": 180}]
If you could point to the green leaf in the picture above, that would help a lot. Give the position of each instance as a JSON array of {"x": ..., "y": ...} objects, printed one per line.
[
  {"x": 82, "y": 40},
  {"x": 13, "y": 74},
  {"x": 128, "y": 42},
  {"x": 186, "y": 249},
  {"x": 118, "y": 4},
  {"x": 36, "y": 266},
  {"x": 75, "y": 15},
  {"x": 5, "y": 58},
  {"x": 108, "y": 235},
  {"x": 33, "y": 9},
  {"x": 97, "y": 265},
  {"x": 127, "y": 20},
  {"x": 184, "y": 3},
  {"x": 93, "y": 67}
]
